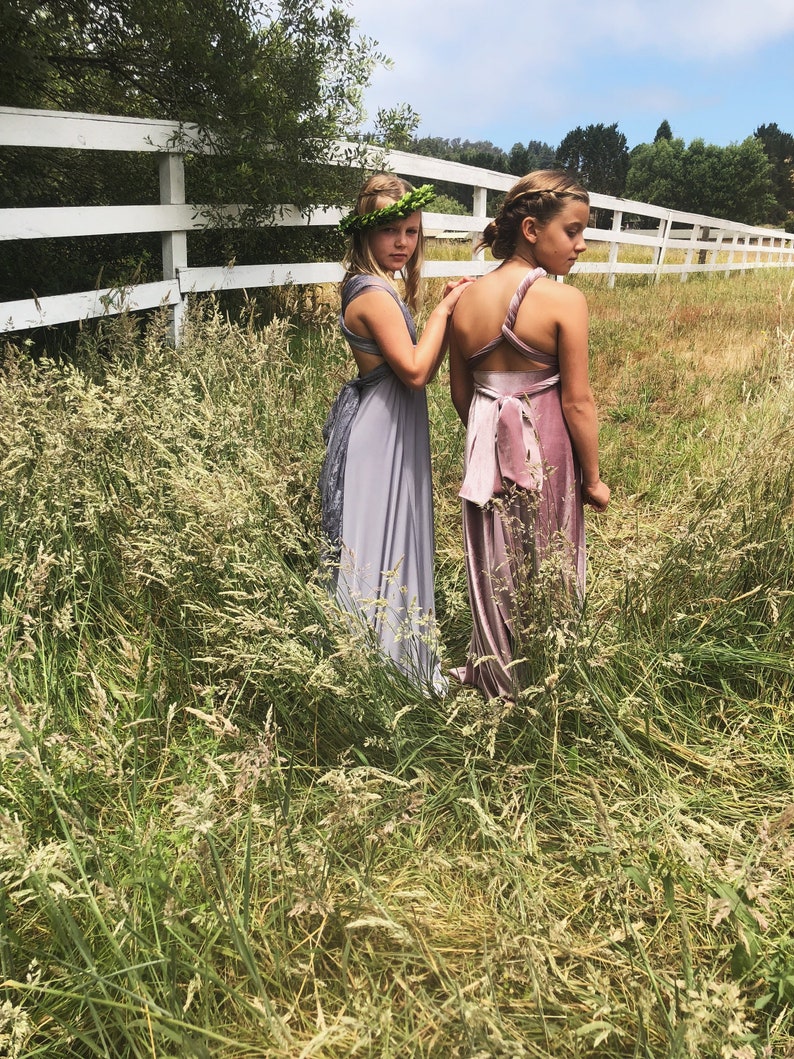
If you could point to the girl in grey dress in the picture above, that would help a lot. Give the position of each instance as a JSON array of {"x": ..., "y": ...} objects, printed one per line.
[{"x": 375, "y": 484}]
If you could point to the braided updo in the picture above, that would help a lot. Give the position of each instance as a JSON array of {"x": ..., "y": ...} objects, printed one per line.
[{"x": 540, "y": 194}]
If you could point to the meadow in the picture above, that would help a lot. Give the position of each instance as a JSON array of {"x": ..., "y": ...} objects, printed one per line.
[{"x": 228, "y": 830}]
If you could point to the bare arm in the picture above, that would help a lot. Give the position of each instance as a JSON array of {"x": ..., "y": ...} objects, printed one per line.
[
  {"x": 374, "y": 314},
  {"x": 461, "y": 382},
  {"x": 578, "y": 405}
]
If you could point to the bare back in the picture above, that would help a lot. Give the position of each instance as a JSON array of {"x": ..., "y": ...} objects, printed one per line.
[{"x": 481, "y": 312}]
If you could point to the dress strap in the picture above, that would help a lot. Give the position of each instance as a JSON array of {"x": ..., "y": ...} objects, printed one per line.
[
  {"x": 518, "y": 297},
  {"x": 358, "y": 285},
  {"x": 518, "y": 344},
  {"x": 507, "y": 334}
]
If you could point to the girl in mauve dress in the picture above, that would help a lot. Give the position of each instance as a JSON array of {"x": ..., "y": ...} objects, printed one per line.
[{"x": 519, "y": 382}]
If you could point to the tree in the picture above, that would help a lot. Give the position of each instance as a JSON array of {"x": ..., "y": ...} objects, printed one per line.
[
  {"x": 664, "y": 132},
  {"x": 270, "y": 85},
  {"x": 446, "y": 204},
  {"x": 275, "y": 84},
  {"x": 480, "y": 153},
  {"x": 597, "y": 156},
  {"x": 729, "y": 182},
  {"x": 779, "y": 149},
  {"x": 484, "y": 154},
  {"x": 395, "y": 126},
  {"x": 656, "y": 173},
  {"x": 536, "y": 155}
]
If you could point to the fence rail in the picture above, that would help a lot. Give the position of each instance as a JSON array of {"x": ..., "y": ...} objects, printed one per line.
[{"x": 698, "y": 243}]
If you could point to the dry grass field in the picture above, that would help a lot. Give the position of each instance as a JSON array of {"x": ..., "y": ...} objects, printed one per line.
[{"x": 228, "y": 830}]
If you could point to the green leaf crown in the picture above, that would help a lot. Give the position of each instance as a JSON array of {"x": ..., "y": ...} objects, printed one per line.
[{"x": 403, "y": 207}]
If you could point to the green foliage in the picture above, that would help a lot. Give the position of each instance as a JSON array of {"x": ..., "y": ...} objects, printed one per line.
[
  {"x": 656, "y": 173},
  {"x": 481, "y": 153},
  {"x": 269, "y": 86},
  {"x": 287, "y": 72},
  {"x": 779, "y": 149},
  {"x": 731, "y": 182},
  {"x": 734, "y": 181},
  {"x": 535, "y": 155},
  {"x": 396, "y": 126},
  {"x": 446, "y": 204},
  {"x": 597, "y": 156}
]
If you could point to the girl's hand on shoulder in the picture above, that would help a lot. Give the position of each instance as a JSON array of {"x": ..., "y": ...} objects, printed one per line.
[
  {"x": 454, "y": 289},
  {"x": 597, "y": 495}
]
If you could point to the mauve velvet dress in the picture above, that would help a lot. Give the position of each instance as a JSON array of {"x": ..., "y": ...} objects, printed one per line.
[
  {"x": 377, "y": 500},
  {"x": 523, "y": 518}
]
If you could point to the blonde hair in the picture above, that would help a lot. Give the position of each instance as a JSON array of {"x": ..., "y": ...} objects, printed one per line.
[
  {"x": 540, "y": 194},
  {"x": 359, "y": 260}
]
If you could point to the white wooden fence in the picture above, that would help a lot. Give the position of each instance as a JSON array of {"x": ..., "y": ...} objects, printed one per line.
[{"x": 720, "y": 245}]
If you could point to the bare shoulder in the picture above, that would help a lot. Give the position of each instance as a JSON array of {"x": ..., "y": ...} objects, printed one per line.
[
  {"x": 375, "y": 292},
  {"x": 375, "y": 299},
  {"x": 487, "y": 293},
  {"x": 562, "y": 300},
  {"x": 472, "y": 297},
  {"x": 565, "y": 293}
]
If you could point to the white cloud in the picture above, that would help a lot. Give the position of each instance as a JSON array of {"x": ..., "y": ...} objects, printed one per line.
[
  {"x": 514, "y": 68},
  {"x": 716, "y": 28},
  {"x": 491, "y": 37}
]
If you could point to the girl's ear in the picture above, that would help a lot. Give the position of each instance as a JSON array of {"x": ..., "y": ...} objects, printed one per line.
[{"x": 529, "y": 229}]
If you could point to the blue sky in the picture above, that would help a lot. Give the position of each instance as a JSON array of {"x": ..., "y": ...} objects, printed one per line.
[{"x": 517, "y": 70}]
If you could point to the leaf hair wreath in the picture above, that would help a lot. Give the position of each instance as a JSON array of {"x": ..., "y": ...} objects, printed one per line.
[{"x": 403, "y": 207}]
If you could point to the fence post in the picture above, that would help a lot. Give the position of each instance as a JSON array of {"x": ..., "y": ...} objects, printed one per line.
[
  {"x": 479, "y": 209},
  {"x": 665, "y": 224},
  {"x": 715, "y": 254},
  {"x": 735, "y": 247},
  {"x": 172, "y": 192},
  {"x": 705, "y": 233},
  {"x": 617, "y": 221},
  {"x": 693, "y": 238}
]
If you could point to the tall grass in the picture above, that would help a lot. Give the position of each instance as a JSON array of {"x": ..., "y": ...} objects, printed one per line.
[{"x": 227, "y": 829}]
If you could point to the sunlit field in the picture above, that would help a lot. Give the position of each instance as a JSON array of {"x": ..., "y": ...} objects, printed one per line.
[
  {"x": 724, "y": 260},
  {"x": 228, "y": 830}
]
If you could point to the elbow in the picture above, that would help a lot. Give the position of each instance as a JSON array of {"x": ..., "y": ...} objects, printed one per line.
[
  {"x": 416, "y": 380},
  {"x": 416, "y": 384},
  {"x": 578, "y": 407}
]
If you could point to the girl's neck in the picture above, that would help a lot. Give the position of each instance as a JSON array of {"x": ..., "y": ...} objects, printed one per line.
[{"x": 523, "y": 256}]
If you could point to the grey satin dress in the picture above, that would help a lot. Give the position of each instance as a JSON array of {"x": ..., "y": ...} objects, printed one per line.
[{"x": 377, "y": 507}]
